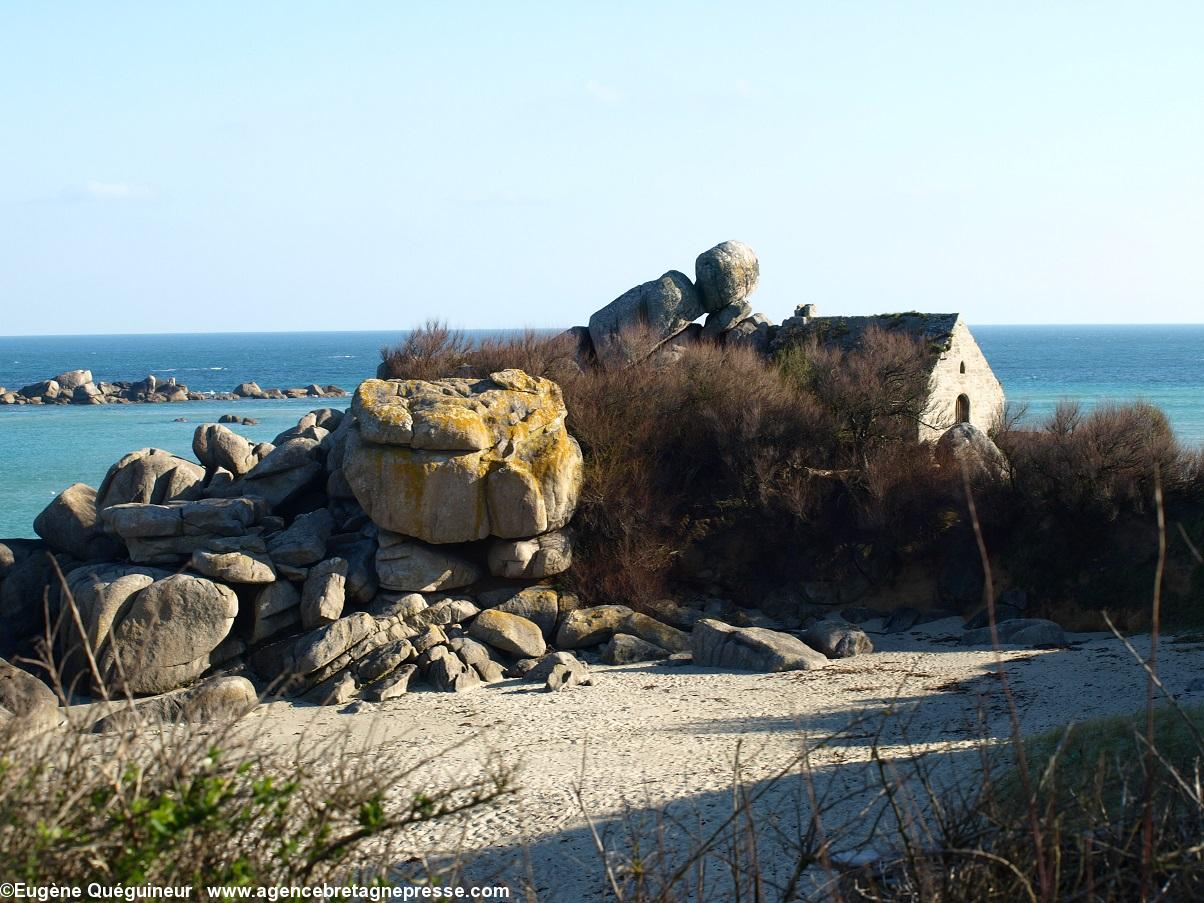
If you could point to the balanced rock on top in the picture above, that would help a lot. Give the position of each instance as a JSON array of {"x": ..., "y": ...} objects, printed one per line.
[{"x": 726, "y": 275}]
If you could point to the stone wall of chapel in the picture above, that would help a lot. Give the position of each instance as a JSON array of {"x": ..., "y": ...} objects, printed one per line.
[{"x": 948, "y": 381}]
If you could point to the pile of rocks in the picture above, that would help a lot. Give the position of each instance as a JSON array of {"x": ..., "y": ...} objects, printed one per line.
[
  {"x": 414, "y": 538},
  {"x": 659, "y": 317},
  {"x": 78, "y": 387}
]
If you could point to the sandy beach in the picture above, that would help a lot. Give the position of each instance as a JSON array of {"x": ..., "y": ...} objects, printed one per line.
[{"x": 645, "y": 737}]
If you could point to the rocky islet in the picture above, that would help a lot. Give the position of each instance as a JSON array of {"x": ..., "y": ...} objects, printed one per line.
[{"x": 79, "y": 387}]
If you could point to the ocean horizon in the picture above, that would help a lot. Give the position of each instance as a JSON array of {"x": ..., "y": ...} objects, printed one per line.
[{"x": 43, "y": 449}]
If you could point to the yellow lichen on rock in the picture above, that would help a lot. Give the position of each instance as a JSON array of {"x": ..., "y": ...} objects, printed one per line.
[{"x": 457, "y": 460}]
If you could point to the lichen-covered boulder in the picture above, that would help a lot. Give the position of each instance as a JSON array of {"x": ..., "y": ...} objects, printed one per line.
[
  {"x": 510, "y": 633},
  {"x": 233, "y": 567},
  {"x": 632, "y": 326},
  {"x": 653, "y": 631},
  {"x": 540, "y": 604},
  {"x": 590, "y": 626},
  {"x": 462, "y": 459},
  {"x": 726, "y": 274}
]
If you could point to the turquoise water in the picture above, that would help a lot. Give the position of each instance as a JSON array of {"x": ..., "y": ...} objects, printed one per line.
[
  {"x": 44, "y": 449},
  {"x": 1041, "y": 365}
]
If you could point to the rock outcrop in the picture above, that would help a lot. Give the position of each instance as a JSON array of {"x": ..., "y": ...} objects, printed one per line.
[
  {"x": 150, "y": 476},
  {"x": 221, "y": 699},
  {"x": 412, "y": 539},
  {"x": 21, "y": 693},
  {"x": 411, "y": 566},
  {"x": 638, "y": 321},
  {"x": 726, "y": 275},
  {"x": 532, "y": 559},
  {"x": 168, "y": 533},
  {"x": 78, "y": 387},
  {"x": 836, "y": 638},
  {"x": 462, "y": 459}
]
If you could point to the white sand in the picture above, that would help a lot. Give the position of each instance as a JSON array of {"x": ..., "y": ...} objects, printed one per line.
[{"x": 645, "y": 736}]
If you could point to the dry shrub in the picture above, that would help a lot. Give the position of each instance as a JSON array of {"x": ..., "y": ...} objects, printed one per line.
[
  {"x": 694, "y": 430},
  {"x": 432, "y": 351},
  {"x": 552, "y": 355},
  {"x": 875, "y": 391},
  {"x": 1098, "y": 464},
  {"x": 667, "y": 443},
  {"x": 1077, "y": 517},
  {"x": 702, "y": 458},
  {"x": 907, "y": 498}
]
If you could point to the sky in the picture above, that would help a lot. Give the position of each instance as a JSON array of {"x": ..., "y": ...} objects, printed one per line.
[{"x": 208, "y": 167}]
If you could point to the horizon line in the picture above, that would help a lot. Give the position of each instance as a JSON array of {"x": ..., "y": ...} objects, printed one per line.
[{"x": 247, "y": 332}]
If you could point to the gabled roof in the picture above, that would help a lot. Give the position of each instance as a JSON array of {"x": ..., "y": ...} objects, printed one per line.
[{"x": 933, "y": 329}]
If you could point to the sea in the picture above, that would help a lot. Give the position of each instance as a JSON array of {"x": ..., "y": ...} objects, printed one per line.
[{"x": 45, "y": 449}]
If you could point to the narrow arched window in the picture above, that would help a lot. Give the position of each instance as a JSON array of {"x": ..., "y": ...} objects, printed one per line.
[
  {"x": 963, "y": 409},
  {"x": 963, "y": 366}
]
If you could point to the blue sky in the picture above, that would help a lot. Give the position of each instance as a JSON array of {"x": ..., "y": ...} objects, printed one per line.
[{"x": 279, "y": 166}]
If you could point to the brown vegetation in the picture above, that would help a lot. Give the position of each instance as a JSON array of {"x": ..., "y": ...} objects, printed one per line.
[
  {"x": 712, "y": 469},
  {"x": 1108, "y": 809}
]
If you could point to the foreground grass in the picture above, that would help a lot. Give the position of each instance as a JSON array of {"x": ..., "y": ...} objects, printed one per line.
[
  {"x": 1113, "y": 749},
  {"x": 198, "y": 805}
]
